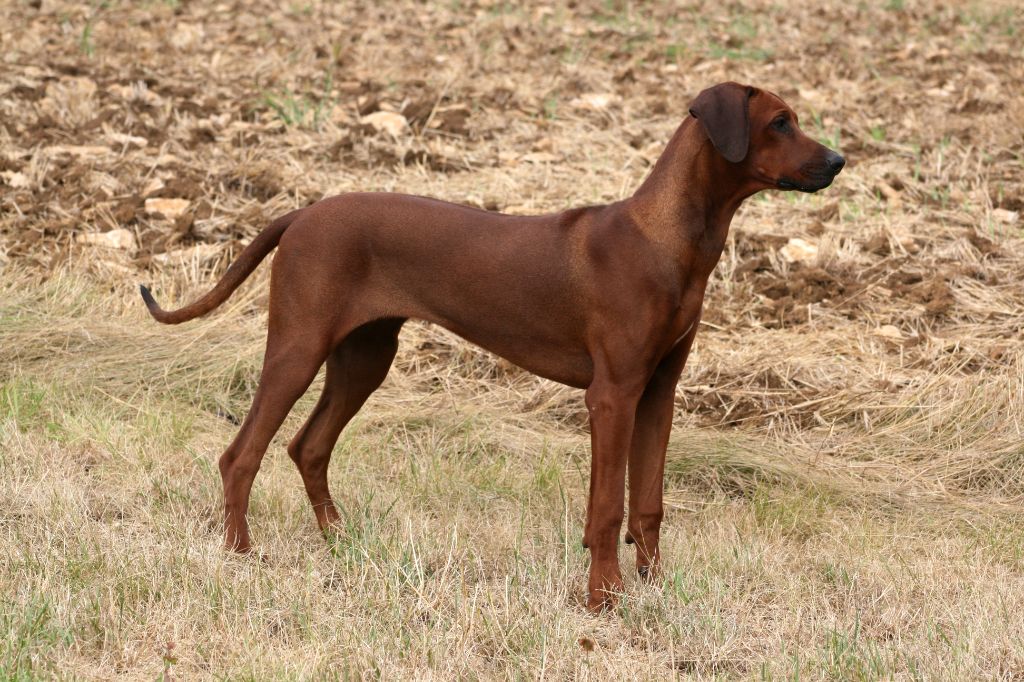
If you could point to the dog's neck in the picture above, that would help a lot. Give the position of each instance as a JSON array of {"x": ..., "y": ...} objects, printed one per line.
[{"x": 691, "y": 193}]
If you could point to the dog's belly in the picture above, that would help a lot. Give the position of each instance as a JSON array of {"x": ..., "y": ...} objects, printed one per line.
[{"x": 563, "y": 362}]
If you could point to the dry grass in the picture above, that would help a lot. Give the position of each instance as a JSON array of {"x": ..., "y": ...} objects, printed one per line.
[{"x": 846, "y": 474}]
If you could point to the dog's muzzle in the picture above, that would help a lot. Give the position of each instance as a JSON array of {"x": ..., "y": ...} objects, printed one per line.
[{"x": 818, "y": 176}]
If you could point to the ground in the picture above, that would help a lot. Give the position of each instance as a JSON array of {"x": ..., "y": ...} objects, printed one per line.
[{"x": 846, "y": 473}]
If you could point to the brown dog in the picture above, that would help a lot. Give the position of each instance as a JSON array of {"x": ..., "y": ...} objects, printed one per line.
[{"x": 605, "y": 298}]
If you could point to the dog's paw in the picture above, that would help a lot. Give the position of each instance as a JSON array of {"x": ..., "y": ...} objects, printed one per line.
[
  {"x": 649, "y": 573},
  {"x": 603, "y": 591},
  {"x": 257, "y": 556},
  {"x": 601, "y": 601}
]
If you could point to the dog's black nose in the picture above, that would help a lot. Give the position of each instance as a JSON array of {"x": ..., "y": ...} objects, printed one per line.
[{"x": 835, "y": 162}]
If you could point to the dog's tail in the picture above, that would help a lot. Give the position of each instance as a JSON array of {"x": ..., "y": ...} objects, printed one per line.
[{"x": 251, "y": 256}]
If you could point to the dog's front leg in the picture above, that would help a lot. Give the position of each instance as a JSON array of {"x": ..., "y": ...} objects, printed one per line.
[
  {"x": 612, "y": 408},
  {"x": 651, "y": 431}
]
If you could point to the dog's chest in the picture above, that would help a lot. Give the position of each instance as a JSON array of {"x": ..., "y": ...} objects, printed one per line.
[{"x": 680, "y": 324}]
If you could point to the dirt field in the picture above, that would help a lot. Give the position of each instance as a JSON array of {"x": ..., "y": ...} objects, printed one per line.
[{"x": 846, "y": 475}]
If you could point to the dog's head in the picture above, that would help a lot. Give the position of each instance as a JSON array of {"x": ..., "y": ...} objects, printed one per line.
[{"x": 759, "y": 133}]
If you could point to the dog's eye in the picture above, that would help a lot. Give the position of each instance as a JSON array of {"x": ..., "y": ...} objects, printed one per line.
[{"x": 781, "y": 124}]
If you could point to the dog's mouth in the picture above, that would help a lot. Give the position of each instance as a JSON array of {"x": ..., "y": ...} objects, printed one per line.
[
  {"x": 815, "y": 175},
  {"x": 816, "y": 184}
]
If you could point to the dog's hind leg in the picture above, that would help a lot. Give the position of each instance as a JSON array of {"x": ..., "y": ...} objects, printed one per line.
[
  {"x": 290, "y": 365},
  {"x": 355, "y": 368}
]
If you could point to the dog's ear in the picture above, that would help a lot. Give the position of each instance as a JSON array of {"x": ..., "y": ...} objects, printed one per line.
[{"x": 724, "y": 112}]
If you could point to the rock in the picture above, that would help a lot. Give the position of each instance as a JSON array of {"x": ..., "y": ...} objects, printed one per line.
[
  {"x": 153, "y": 186},
  {"x": 390, "y": 122},
  {"x": 126, "y": 140},
  {"x": 119, "y": 238},
  {"x": 15, "y": 179},
  {"x": 890, "y": 193},
  {"x": 198, "y": 253},
  {"x": 87, "y": 150},
  {"x": 1006, "y": 216},
  {"x": 169, "y": 208},
  {"x": 889, "y": 332},
  {"x": 799, "y": 251},
  {"x": 595, "y": 101}
]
